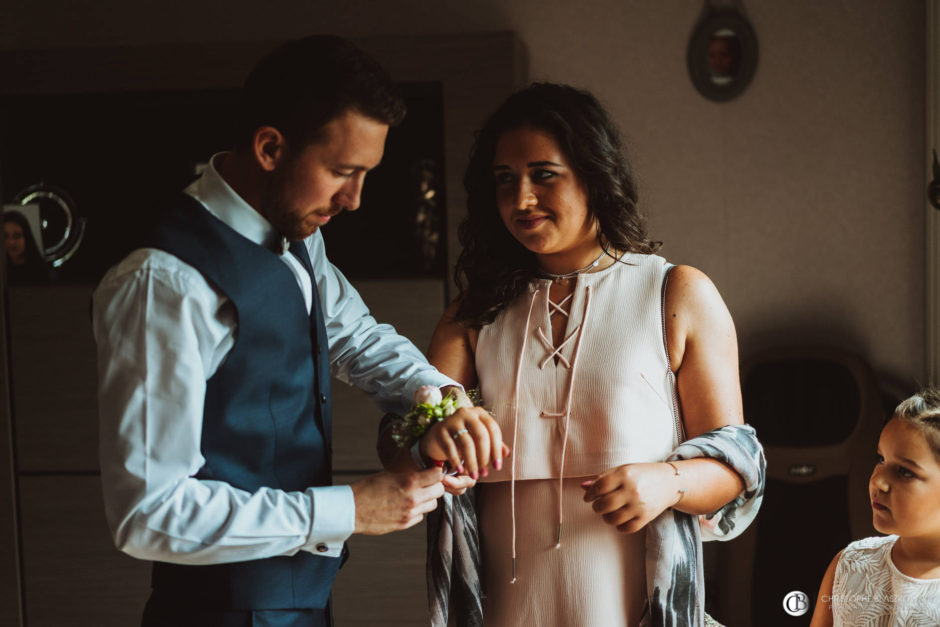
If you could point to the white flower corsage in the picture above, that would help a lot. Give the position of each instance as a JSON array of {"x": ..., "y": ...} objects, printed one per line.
[{"x": 430, "y": 407}]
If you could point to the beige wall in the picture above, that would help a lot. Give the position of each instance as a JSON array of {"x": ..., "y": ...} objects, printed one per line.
[{"x": 802, "y": 198}]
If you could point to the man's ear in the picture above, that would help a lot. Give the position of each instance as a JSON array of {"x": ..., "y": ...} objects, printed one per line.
[{"x": 268, "y": 147}]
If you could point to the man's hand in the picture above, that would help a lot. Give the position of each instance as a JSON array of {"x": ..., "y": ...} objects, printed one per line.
[{"x": 387, "y": 502}]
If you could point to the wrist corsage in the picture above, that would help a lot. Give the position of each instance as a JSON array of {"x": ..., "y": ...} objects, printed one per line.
[{"x": 430, "y": 407}]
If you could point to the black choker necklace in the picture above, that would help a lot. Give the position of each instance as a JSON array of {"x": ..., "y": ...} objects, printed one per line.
[{"x": 558, "y": 278}]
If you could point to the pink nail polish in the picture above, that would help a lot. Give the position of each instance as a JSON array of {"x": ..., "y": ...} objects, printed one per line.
[
  {"x": 499, "y": 464},
  {"x": 475, "y": 475}
]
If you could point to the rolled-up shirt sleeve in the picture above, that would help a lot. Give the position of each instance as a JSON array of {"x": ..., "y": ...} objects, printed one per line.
[
  {"x": 161, "y": 331},
  {"x": 364, "y": 353}
]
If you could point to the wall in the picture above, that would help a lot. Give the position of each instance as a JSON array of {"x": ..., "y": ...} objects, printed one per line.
[{"x": 801, "y": 198}]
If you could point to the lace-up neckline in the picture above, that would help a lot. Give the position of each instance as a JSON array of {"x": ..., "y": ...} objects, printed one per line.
[
  {"x": 548, "y": 340},
  {"x": 553, "y": 352}
]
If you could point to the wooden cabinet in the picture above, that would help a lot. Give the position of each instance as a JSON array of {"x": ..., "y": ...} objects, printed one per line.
[
  {"x": 72, "y": 573},
  {"x": 10, "y": 593},
  {"x": 53, "y": 379},
  {"x": 383, "y": 583}
]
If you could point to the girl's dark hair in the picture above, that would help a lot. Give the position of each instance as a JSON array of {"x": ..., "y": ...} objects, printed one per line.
[
  {"x": 304, "y": 84},
  {"x": 31, "y": 252},
  {"x": 494, "y": 268}
]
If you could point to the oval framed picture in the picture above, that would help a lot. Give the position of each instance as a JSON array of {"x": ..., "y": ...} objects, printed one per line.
[{"x": 722, "y": 55}]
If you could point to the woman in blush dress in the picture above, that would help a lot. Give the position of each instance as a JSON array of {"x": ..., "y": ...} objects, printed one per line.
[{"x": 597, "y": 359}]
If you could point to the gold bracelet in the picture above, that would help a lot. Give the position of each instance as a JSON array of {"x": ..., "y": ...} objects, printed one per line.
[{"x": 679, "y": 491}]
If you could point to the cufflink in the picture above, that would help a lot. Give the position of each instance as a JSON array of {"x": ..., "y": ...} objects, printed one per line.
[{"x": 322, "y": 547}]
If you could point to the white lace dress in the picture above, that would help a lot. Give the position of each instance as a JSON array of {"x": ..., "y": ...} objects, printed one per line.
[{"x": 869, "y": 590}]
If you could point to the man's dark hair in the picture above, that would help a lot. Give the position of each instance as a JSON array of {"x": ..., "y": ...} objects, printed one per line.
[
  {"x": 304, "y": 84},
  {"x": 494, "y": 268}
]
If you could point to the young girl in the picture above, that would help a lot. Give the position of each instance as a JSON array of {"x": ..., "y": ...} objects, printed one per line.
[{"x": 895, "y": 579}]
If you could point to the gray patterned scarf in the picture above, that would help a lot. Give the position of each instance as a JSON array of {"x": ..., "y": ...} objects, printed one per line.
[{"x": 674, "y": 580}]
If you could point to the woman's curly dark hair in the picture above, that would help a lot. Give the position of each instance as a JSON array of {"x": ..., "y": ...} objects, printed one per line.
[{"x": 494, "y": 268}]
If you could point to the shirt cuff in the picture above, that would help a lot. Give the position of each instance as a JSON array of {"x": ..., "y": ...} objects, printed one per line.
[
  {"x": 334, "y": 519},
  {"x": 417, "y": 456},
  {"x": 426, "y": 378}
]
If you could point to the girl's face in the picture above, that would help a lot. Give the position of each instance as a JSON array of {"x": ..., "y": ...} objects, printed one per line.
[
  {"x": 15, "y": 242},
  {"x": 540, "y": 199},
  {"x": 905, "y": 484}
]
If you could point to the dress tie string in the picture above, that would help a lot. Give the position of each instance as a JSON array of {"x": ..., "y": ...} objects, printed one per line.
[
  {"x": 515, "y": 433},
  {"x": 557, "y": 351},
  {"x": 558, "y": 307},
  {"x": 564, "y": 445},
  {"x": 575, "y": 335}
]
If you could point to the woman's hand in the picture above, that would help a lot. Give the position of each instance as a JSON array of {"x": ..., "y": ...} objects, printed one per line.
[
  {"x": 469, "y": 440},
  {"x": 457, "y": 484},
  {"x": 632, "y": 495}
]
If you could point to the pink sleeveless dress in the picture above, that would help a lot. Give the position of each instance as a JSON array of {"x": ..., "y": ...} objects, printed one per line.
[{"x": 605, "y": 396}]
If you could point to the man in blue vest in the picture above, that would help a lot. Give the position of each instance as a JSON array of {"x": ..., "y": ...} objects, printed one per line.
[{"x": 216, "y": 340}]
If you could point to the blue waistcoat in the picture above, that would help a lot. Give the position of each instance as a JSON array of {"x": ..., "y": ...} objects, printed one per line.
[{"x": 266, "y": 421}]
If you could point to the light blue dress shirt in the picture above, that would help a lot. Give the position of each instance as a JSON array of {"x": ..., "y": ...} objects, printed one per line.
[{"x": 162, "y": 330}]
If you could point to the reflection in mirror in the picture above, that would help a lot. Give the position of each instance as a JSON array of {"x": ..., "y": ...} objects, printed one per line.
[
  {"x": 724, "y": 56},
  {"x": 25, "y": 263}
]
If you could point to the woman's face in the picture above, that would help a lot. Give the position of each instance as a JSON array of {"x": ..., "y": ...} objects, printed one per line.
[
  {"x": 540, "y": 199},
  {"x": 15, "y": 242}
]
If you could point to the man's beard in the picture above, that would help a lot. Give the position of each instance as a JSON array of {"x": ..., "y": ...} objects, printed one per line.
[{"x": 275, "y": 209}]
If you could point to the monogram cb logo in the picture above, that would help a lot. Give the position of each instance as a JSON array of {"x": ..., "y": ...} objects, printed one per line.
[{"x": 796, "y": 603}]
